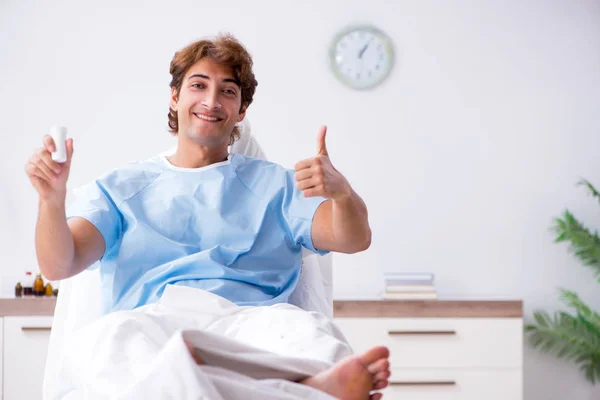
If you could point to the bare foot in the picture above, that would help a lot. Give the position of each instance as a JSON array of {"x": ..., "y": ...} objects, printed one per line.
[
  {"x": 350, "y": 379},
  {"x": 355, "y": 377}
]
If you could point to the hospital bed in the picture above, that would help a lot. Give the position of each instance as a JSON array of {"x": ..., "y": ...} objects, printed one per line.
[{"x": 79, "y": 300}]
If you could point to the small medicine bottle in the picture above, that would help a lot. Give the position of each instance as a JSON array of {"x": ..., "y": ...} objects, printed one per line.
[
  {"x": 19, "y": 290},
  {"x": 28, "y": 284},
  {"x": 48, "y": 290},
  {"x": 38, "y": 285}
]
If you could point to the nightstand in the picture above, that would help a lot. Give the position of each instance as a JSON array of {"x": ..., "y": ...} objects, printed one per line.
[{"x": 460, "y": 350}]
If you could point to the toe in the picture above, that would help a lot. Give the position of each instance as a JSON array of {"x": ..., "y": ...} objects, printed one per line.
[
  {"x": 380, "y": 384},
  {"x": 376, "y": 396},
  {"x": 379, "y": 366},
  {"x": 381, "y": 376},
  {"x": 375, "y": 354}
]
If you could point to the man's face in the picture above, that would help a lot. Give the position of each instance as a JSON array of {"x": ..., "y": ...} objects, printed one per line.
[{"x": 209, "y": 103}]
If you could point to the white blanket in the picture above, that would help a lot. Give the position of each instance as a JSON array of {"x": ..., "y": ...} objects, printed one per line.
[{"x": 250, "y": 352}]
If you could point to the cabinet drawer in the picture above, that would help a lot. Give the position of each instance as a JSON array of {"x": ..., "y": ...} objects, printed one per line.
[
  {"x": 25, "y": 348},
  {"x": 440, "y": 342},
  {"x": 488, "y": 384}
]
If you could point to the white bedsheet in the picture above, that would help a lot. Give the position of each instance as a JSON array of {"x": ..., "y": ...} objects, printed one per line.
[{"x": 251, "y": 352}]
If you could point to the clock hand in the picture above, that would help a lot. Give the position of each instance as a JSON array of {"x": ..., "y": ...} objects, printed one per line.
[{"x": 362, "y": 51}]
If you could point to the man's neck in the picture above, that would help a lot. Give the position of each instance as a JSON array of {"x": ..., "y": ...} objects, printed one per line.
[{"x": 193, "y": 155}]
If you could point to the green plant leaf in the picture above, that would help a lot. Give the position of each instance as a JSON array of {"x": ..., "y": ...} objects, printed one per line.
[
  {"x": 583, "y": 243},
  {"x": 590, "y": 187},
  {"x": 569, "y": 339},
  {"x": 573, "y": 335}
]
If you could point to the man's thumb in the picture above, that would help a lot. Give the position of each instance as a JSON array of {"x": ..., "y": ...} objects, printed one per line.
[
  {"x": 321, "y": 147},
  {"x": 69, "y": 150}
]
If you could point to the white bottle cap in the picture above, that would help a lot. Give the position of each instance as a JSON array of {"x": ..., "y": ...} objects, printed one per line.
[{"x": 59, "y": 135}]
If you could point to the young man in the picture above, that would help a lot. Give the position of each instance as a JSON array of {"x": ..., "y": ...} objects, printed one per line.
[{"x": 202, "y": 218}]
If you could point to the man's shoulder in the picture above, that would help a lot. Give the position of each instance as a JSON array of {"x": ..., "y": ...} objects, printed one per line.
[
  {"x": 260, "y": 176},
  {"x": 249, "y": 166},
  {"x": 124, "y": 182}
]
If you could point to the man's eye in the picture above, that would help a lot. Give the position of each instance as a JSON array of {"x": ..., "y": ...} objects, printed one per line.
[
  {"x": 229, "y": 91},
  {"x": 198, "y": 85}
]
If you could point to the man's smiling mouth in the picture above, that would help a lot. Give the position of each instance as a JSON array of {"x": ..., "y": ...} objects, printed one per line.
[{"x": 207, "y": 118}]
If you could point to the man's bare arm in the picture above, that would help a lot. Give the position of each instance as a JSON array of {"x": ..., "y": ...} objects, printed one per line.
[
  {"x": 63, "y": 248},
  {"x": 340, "y": 224}
]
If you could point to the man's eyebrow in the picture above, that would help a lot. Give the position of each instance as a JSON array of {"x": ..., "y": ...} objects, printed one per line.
[{"x": 207, "y": 77}]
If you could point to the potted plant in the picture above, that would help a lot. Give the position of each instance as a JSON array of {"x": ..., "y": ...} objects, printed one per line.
[{"x": 573, "y": 335}]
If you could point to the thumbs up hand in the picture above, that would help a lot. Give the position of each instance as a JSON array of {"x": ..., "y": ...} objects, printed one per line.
[
  {"x": 321, "y": 146},
  {"x": 317, "y": 176}
]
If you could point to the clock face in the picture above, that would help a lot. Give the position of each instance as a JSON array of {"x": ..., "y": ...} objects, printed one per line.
[{"x": 361, "y": 56}]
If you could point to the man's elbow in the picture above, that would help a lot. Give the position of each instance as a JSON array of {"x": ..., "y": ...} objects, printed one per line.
[
  {"x": 50, "y": 273},
  {"x": 366, "y": 243},
  {"x": 362, "y": 244}
]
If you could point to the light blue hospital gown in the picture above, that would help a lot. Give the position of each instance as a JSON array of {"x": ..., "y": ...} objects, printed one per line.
[{"x": 233, "y": 228}]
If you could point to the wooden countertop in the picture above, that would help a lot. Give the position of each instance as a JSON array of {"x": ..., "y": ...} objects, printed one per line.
[
  {"x": 44, "y": 306},
  {"x": 428, "y": 308},
  {"x": 27, "y": 306}
]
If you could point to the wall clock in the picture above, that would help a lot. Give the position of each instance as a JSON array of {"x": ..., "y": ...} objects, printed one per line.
[{"x": 361, "y": 56}]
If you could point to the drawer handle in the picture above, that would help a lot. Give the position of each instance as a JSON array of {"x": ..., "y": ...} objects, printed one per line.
[
  {"x": 423, "y": 383},
  {"x": 450, "y": 332},
  {"x": 35, "y": 328}
]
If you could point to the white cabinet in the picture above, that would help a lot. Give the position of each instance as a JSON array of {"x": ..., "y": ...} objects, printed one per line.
[
  {"x": 445, "y": 358},
  {"x": 1, "y": 356},
  {"x": 25, "y": 348},
  {"x": 455, "y": 384}
]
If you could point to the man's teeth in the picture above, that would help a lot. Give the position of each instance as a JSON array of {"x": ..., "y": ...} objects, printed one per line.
[{"x": 206, "y": 118}]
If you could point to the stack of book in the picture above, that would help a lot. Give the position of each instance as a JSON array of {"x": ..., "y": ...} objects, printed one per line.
[{"x": 409, "y": 286}]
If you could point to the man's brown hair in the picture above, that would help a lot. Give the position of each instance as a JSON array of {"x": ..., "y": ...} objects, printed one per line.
[{"x": 224, "y": 50}]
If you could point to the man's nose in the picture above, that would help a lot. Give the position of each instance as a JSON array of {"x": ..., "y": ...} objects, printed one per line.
[{"x": 211, "y": 100}]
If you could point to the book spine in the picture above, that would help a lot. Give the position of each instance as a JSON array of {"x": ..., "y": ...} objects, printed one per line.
[
  {"x": 410, "y": 296},
  {"x": 410, "y": 288},
  {"x": 404, "y": 275}
]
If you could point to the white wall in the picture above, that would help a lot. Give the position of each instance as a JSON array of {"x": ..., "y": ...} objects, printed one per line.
[{"x": 463, "y": 156}]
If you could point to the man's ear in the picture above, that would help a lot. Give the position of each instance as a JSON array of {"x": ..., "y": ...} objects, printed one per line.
[
  {"x": 242, "y": 114},
  {"x": 174, "y": 99}
]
